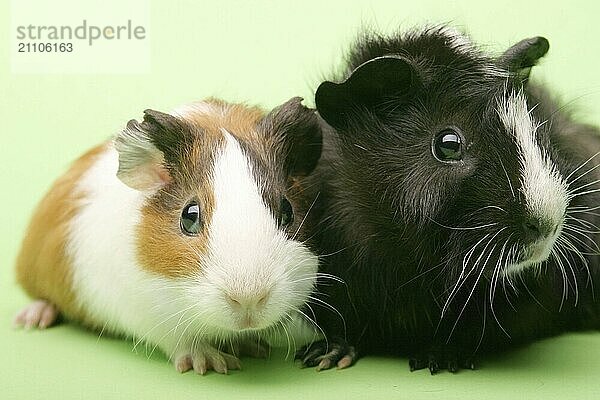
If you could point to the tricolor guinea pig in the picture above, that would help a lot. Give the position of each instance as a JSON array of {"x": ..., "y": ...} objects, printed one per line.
[
  {"x": 184, "y": 233},
  {"x": 459, "y": 203}
]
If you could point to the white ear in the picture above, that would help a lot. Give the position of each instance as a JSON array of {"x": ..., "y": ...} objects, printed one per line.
[{"x": 141, "y": 164}]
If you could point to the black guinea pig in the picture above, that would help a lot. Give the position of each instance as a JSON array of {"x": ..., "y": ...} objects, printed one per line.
[{"x": 458, "y": 202}]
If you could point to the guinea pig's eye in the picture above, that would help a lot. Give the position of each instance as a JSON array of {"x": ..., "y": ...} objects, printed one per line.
[
  {"x": 190, "y": 219},
  {"x": 286, "y": 213},
  {"x": 447, "y": 145}
]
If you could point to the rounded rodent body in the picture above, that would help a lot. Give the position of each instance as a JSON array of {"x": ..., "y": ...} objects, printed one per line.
[
  {"x": 184, "y": 233},
  {"x": 459, "y": 203}
]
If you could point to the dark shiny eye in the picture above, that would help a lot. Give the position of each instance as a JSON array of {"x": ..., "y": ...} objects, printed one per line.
[
  {"x": 286, "y": 213},
  {"x": 447, "y": 145},
  {"x": 190, "y": 221}
]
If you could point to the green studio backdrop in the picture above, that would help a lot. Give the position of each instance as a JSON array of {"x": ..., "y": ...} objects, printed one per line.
[{"x": 262, "y": 52}]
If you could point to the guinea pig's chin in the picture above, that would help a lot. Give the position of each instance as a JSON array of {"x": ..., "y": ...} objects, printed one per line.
[
  {"x": 246, "y": 324},
  {"x": 534, "y": 255}
]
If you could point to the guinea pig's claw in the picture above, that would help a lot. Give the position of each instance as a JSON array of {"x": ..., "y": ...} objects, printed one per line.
[
  {"x": 209, "y": 358},
  {"x": 325, "y": 363},
  {"x": 325, "y": 355},
  {"x": 433, "y": 365},
  {"x": 346, "y": 361},
  {"x": 200, "y": 367},
  {"x": 439, "y": 359},
  {"x": 183, "y": 364},
  {"x": 218, "y": 365},
  {"x": 453, "y": 365},
  {"x": 39, "y": 314}
]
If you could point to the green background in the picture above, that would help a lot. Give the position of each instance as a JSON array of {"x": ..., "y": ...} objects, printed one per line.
[{"x": 264, "y": 52}]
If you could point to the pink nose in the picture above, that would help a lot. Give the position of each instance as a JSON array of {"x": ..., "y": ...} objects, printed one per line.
[{"x": 252, "y": 301}]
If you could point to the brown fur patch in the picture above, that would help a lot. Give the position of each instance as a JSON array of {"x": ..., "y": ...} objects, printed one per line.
[
  {"x": 43, "y": 268},
  {"x": 162, "y": 247},
  {"x": 238, "y": 119}
]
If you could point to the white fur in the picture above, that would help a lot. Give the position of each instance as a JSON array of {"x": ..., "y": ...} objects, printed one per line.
[
  {"x": 109, "y": 285},
  {"x": 247, "y": 255},
  {"x": 457, "y": 39},
  {"x": 544, "y": 190},
  {"x": 199, "y": 107}
]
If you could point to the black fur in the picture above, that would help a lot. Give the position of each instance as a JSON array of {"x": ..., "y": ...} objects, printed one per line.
[
  {"x": 396, "y": 224},
  {"x": 171, "y": 135}
]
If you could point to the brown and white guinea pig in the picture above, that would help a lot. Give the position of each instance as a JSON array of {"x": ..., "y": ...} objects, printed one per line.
[
  {"x": 184, "y": 232},
  {"x": 459, "y": 203}
]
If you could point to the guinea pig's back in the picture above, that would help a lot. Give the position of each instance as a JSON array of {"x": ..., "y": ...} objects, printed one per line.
[{"x": 44, "y": 268}]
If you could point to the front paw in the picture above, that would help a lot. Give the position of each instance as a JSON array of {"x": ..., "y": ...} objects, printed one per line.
[
  {"x": 204, "y": 358},
  {"x": 441, "y": 358},
  {"x": 325, "y": 354}
]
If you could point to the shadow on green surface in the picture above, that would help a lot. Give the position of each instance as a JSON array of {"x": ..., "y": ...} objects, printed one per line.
[{"x": 91, "y": 366}]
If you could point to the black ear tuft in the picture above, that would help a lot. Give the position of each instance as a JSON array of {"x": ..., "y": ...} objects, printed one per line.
[
  {"x": 369, "y": 85},
  {"x": 168, "y": 133},
  {"x": 298, "y": 130},
  {"x": 150, "y": 149},
  {"x": 519, "y": 58},
  {"x": 161, "y": 121}
]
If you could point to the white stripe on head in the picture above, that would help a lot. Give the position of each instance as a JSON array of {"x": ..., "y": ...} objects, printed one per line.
[
  {"x": 545, "y": 191},
  {"x": 199, "y": 108},
  {"x": 241, "y": 219},
  {"x": 248, "y": 254}
]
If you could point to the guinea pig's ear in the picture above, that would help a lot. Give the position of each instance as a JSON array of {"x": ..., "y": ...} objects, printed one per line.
[
  {"x": 369, "y": 85},
  {"x": 298, "y": 132},
  {"x": 519, "y": 58},
  {"x": 148, "y": 151}
]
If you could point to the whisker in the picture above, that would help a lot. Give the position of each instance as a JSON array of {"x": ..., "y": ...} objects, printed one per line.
[
  {"x": 595, "y": 251},
  {"x": 141, "y": 339},
  {"x": 305, "y": 216},
  {"x": 585, "y": 193},
  {"x": 324, "y": 304},
  {"x": 507, "y": 178},
  {"x": 463, "y": 228},
  {"x": 465, "y": 262},
  {"x": 581, "y": 166},
  {"x": 581, "y": 209},
  {"x": 495, "y": 279},
  {"x": 314, "y": 323},
  {"x": 562, "y": 261},
  {"x": 582, "y": 222},
  {"x": 472, "y": 291},
  {"x": 574, "y": 191}
]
